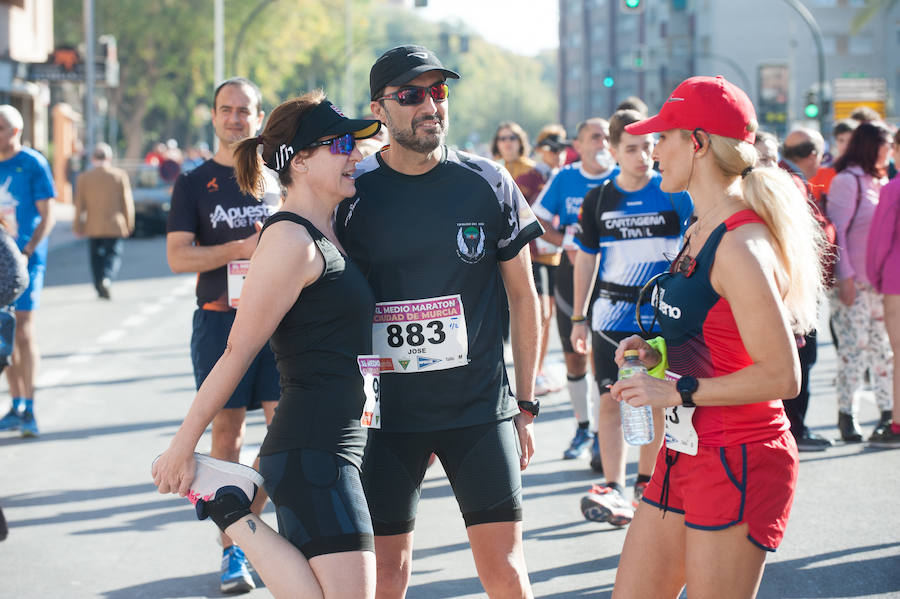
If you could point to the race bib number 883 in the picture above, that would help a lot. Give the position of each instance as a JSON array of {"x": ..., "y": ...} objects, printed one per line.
[{"x": 421, "y": 335}]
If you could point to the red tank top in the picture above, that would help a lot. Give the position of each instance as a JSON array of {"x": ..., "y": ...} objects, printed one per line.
[{"x": 703, "y": 341}]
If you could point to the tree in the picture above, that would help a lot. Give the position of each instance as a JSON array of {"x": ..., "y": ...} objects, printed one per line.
[{"x": 868, "y": 12}]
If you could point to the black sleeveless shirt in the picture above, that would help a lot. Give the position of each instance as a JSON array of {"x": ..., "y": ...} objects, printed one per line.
[{"x": 316, "y": 346}]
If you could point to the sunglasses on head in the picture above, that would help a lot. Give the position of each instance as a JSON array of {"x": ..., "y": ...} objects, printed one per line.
[
  {"x": 413, "y": 95},
  {"x": 338, "y": 145}
]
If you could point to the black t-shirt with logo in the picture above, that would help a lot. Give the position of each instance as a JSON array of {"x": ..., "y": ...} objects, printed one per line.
[
  {"x": 421, "y": 239},
  {"x": 208, "y": 203}
]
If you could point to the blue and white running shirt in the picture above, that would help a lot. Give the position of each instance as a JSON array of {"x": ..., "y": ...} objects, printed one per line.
[{"x": 637, "y": 234}]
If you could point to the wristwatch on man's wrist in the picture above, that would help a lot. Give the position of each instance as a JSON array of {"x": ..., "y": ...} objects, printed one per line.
[
  {"x": 532, "y": 407},
  {"x": 686, "y": 386}
]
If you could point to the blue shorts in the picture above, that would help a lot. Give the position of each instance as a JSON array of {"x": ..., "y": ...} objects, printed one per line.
[
  {"x": 31, "y": 297},
  {"x": 208, "y": 340},
  {"x": 318, "y": 500}
]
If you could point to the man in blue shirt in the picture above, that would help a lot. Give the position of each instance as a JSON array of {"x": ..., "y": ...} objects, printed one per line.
[
  {"x": 26, "y": 191},
  {"x": 557, "y": 208}
]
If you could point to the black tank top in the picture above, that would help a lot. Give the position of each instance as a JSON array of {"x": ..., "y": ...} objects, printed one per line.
[{"x": 316, "y": 346}]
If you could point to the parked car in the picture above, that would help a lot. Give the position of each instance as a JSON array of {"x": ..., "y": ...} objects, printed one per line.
[{"x": 152, "y": 197}]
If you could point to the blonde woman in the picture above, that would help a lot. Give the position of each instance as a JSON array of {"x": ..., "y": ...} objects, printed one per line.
[{"x": 745, "y": 282}]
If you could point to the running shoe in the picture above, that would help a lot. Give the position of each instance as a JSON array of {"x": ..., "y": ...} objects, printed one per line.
[
  {"x": 212, "y": 474},
  {"x": 12, "y": 420},
  {"x": 605, "y": 504},
  {"x": 580, "y": 442},
  {"x": 235, "y": 572},
  {"x": 639, "y": 489},
  {"x": 543, "y": 385},
  {"x": 28, "y": 426},
  {"x": 885, "y": 437},
  {"x": 596, "y": 462}
]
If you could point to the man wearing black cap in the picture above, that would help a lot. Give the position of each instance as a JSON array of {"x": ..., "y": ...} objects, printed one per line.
[
  {"x": 212, "y": 229},
  {"x": 436, "y": 231}
]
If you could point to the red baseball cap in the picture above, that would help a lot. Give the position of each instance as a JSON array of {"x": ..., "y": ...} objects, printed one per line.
[{"x": 713, "y": 104}]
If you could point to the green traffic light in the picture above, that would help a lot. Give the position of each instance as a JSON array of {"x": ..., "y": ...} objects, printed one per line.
[
  {"x": 811, "y": 110},
  {"x": 632, "y": 3},
  {"x": 608, "y": 81}
]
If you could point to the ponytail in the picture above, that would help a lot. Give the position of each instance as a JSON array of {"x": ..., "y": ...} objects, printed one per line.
[
  {"x": 799, "y": 240},
  {"x": 248, "y": 167}
]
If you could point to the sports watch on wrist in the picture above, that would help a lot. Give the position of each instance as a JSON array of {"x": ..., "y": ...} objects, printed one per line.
[
  {"x": 532, "y": 407},
  {"x": 686, "y": 386}
]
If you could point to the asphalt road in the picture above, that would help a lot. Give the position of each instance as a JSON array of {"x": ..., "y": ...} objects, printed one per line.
[{"x": 85, "y": 520}]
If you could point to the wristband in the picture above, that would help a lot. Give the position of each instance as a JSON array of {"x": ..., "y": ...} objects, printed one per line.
[
  {"x": 576, "y": 319},
  {"x": 659, "y": 371}
]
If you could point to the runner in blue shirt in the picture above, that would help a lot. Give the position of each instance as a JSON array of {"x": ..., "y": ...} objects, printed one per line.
[
  {"x": 26, "y": 188},
  {"x": 630, "y": 230},
  {"x": 557, "y": 208}
]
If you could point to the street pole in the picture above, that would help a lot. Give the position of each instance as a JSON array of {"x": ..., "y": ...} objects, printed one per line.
[
  {"x": 348, "y": 102},
  {"x": 218, "y": 50},
  {"x": 88, "y": 15},
  {"x": 817, "y": 38}
]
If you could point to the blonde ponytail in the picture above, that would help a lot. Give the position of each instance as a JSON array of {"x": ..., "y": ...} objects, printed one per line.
[{"x": 799, "y": 240}]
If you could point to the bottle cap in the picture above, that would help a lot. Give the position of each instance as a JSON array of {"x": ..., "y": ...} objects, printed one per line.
[{"x": 632, "y": 353}]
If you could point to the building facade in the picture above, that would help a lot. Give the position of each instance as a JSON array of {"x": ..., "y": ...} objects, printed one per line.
[
  {"x": 26, "y": 36},
  {"x": 765, "y": 47}
]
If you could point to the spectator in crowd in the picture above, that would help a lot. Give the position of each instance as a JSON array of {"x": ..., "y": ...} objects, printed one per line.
[
  {"x": 104, "y": 213},
  {"x": 766, "y": 145},
  {"x": 550, "y": 151},
  {"x": 803, "y": 149},
  {"x": 633, "y": 103},
  {"x": 841, "y": 134},
  {"x": 883, "y": 270},
  {"x": 857, "y": 308}
]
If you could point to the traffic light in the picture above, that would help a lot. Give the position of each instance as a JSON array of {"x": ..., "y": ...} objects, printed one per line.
[
  {"x": 421, "y": 3},
  {"x": 639, "y": 57},
  {"x": 631, "y": 7},
  {"x": 608, "y": 81},
  {"x": 812, "y": 108}
]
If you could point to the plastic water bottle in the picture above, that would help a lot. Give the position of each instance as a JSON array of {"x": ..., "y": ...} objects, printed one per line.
[{"x": 637, "y": 423}]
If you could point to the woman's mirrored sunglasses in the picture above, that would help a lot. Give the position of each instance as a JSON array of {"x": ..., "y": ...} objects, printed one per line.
[
  {"x": 338, "y": 145},
  {"x": 413, "y": 96}
]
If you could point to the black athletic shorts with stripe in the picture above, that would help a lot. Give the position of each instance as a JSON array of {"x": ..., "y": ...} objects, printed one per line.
[
  {"x": 319, "y": 501},
  {"x": 481, "y": 462}
]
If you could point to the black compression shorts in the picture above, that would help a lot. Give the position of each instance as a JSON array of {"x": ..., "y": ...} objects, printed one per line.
[
  {"x": 481, "y": 462},
  {"x": 318, "y": 500}
]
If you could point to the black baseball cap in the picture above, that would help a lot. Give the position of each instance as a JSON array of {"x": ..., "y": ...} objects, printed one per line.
[
  {"x": 323, "y": 120},
  {"x": 553, "y": 142},
  {"x": 402, "y": 64}
]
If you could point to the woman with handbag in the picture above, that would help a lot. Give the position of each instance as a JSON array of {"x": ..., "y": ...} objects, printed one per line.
[{"x": 856, "y": 307}]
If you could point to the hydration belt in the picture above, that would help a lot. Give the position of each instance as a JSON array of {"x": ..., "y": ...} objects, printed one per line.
[{"x": 618, "y": 293}]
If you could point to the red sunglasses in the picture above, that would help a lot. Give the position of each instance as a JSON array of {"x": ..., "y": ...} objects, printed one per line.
[{"x": 413, "y": 95}]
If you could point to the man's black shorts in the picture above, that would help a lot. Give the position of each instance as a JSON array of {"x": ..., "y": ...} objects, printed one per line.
[{"x": 481, "y": 462}]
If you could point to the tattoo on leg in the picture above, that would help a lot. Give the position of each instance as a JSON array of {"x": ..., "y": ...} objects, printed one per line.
[{"x": 252, "y": 525}]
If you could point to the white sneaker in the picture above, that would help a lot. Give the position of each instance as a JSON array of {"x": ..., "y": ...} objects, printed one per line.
[
  {"x": 605, "y": 504},
  {"x": 212, "y": 474}
]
